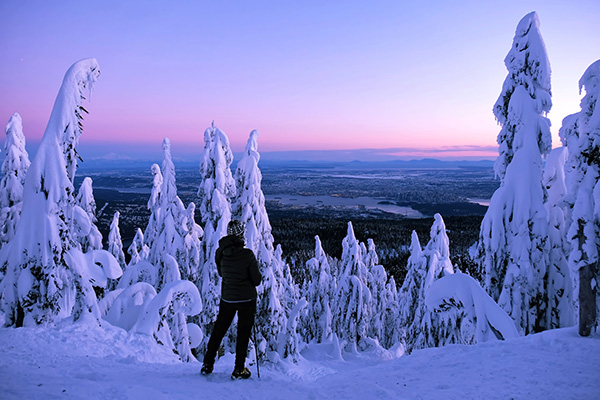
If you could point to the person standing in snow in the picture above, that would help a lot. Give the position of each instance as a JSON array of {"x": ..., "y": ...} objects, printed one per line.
[{"x": 238, "y": 269}]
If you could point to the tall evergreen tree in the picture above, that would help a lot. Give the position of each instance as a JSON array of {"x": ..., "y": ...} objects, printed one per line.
[
  {"x": 423, "y": 327},
  {"x": 154, "y": 202},
  {"x": 353, "y": 314},
  {"x": 249, "y": 203},
  {"x": 43, "y": 283},
  {"x": 513, "y": 245},
  {"x": 216, "y": 189},
  {"x": 320, "y": 287},
  {"x": 169, "y": 219},
  {"x": 412, "y": 293},
  {"x": 581, "y": 134},
  {"x": 14, "y": 169}
]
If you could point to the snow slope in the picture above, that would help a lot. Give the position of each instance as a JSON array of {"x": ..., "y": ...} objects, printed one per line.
[{"x": 80, "y": 362}]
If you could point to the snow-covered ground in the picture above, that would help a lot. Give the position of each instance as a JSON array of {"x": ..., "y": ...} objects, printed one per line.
[{"x": 79, "y": 362}]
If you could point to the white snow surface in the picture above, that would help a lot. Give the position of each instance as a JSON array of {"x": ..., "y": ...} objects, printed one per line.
[{"x": 80, "y": 361}]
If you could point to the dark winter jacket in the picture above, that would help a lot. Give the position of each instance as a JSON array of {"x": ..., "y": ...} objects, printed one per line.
[{"x": 238, "y": 267}]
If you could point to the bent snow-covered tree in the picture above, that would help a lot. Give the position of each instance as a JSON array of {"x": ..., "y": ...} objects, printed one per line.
[
  {"x": 513, "y": 246},
  {"x": 581, "y": 134},
  {"x": 39, "y": 286},
  {"x": 14, "y": 169},
  {"x": 484, "y": 319}
]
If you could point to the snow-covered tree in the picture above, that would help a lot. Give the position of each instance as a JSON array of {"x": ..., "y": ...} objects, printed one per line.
[
  {"x": 248, "y": 206},
  {"x": 320, "y": 287},
  {"x": 513, "y": 246},
  {"x": 581, "y": 134},
  {"x": 165, "y": 317},
  {"x": 137, "y": 250},
  {"x": 41, "y": 283},
  {"x": 412, "y": 294},
  {"x": 169, "y": 219},
  {"x": 85, "y": 199},
  {"x": 484, "y": 319},
  {"x": 115, "y": 243},
  {"x": 423, "y": 327},
  {"x": 289, "y": 340},
  {"x": 216, "y": 189},
  {"x": 353, "y": 314},
  {"x": 438, "y": 252},
  {"x": 559, "y": 286},
  {"x": 14, "y": 169},
  {"x": 391, "y": 334},
  {"x": 154, "y": 202},
  {"x": 378, "y": 288},
  {"x": 191, "y": 257},
  {"x": 249, "y": 203}
]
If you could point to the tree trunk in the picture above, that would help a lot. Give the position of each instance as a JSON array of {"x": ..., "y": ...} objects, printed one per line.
[{"x": 587, "y": 299}]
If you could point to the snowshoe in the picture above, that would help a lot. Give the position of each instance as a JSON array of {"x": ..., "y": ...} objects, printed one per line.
[
  {"x": 243, "y": 373},
  {"x": 206, "y": 369}
]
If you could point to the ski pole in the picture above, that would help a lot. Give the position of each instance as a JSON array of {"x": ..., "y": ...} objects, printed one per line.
[{"x": 256, "y": 352}]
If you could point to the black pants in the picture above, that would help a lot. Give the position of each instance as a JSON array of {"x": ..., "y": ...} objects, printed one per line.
[{"x": 246, "y": 311}]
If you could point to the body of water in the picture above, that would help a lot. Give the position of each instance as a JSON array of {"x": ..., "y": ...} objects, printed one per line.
[{"x": 369, "y": 203}]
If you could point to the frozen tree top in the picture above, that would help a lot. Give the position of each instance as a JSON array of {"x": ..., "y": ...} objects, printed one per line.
[
  {"x": 252, "y": 144},
  {"x": 590, "y": 78},
  {"x": 528, "y": 52},
  {"x": 14, "y": 133}
]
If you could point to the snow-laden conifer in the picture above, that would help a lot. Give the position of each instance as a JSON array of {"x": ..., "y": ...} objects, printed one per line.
[
  {"x": 115, "y": 246},
  {"x": 191, "y": 257},
  {"x": 392, "y": 333},
  {"x": 289, "y": 339},
  {"x": 40, "y": 285},
  {"x": 320, "y": 287},
  {"x": 85, "y": 199},
  {"x": 216, "y": 189},
  {"x": 248, "y": 206},
  {"x": 513, "y": 245},
  {"x": 525, "y": 97},
  {"x": 353, "y": 314},
  {"x": 278, "y": 297},
  {"x": 115, "y": 243},
  {"x": 14, "y": 168},
  {"x": 378, "y": 288},
  {"x": 169, "y": 219},
  {"x": 423, "y": 327},
  {"x": 484, "y": 320},
  {"x": 137, "y": 250},
  {"x": 559, "y": 286},
  {"x": 249, "y": 203},
  {"x": 581, "y": 134},
  {"x": 438, "y": 329},
  {"x": 154, "y": 202},
  {"x": 411, "y": 293}
]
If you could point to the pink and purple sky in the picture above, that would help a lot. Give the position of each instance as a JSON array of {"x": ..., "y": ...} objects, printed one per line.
[{"x": 414, "y": 79}]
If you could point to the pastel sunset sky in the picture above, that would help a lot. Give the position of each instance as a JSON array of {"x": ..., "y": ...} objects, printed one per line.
[{"x": 414, "y": 79}]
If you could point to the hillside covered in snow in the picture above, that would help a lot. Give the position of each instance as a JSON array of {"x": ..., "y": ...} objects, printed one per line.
[{"x": 80, "y": 362}]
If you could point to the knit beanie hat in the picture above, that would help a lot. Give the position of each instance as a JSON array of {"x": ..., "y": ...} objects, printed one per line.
[{"x": 235, "y": 228}]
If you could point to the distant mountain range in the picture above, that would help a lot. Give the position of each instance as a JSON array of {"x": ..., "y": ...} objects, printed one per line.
[{"x": 266, "y": 162}]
